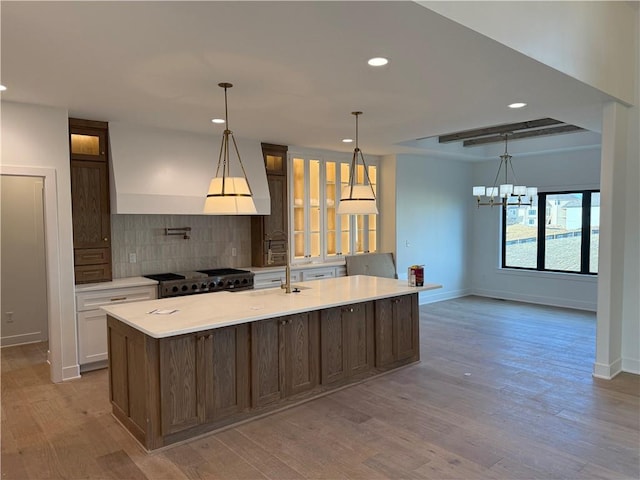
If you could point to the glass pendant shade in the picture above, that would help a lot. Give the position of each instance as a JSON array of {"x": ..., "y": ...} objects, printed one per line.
[
  {"x": 532, "y": 191},
  {"x": 357, "y": 200},
  {"x": 520, "y": 190},
  {"x": 479, "y": 191},
  {"x": 229, "y": 196}
]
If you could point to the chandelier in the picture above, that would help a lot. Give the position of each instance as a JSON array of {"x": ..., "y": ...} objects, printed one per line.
[
  {"x": 505, "y": 191},
  {"x": 229, "y": 195},
  {"x": 357, "y": 198}
]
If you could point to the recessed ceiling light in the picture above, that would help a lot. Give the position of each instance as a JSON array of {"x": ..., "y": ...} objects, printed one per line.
[
  {"x": 347, "y": 140},
  {"x": 378, "y": 61},
  {"x": 517, "y": 105},
  {"x": 2, "y": 88},
  {"x": 217, "y": 120}
]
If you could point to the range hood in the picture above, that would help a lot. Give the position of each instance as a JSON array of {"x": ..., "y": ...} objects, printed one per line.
[{"x": 160, "y": 171}]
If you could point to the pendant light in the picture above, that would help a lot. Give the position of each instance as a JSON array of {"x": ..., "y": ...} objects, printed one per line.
[
  {"x": 358, "y": 198},
  {"x": 506, "y": 190},
  {"x": 229, "y": 195}
]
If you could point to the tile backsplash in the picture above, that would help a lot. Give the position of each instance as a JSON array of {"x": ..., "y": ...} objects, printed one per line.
[{"x": 211, "y": 243}]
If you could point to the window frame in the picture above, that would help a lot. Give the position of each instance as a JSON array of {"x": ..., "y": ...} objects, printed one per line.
[{"x": 585, "y": 239}]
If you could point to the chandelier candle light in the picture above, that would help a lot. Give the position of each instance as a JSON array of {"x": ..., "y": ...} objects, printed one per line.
[
  {"x": 506, "y": 190},
  {"x": 358, "y": 198},
  {"x": 229, "y": 195}
]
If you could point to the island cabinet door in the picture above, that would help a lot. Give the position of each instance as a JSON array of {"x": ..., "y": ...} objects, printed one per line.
[
  {"x": 284, "y": 357},
  {"x": 179, "y": 382},
  {"x": 301, "y": 352},
  {"x": 223, "y": 372},
  {"x": 346, "y": 341},
  {"x": 396, "y": 327}
]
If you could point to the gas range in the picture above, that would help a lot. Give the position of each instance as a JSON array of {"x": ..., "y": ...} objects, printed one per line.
[{"x": 202, "y": 281}]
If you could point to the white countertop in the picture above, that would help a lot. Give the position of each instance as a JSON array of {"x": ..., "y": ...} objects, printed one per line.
[
  {"x": 116, "y": 283},
  {"x": 194, "y": 313}
]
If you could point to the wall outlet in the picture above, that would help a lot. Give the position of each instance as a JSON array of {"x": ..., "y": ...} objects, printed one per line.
[
  {"x": 234, "y": 251},
  {"x": 133, "y": 258},
  {"x": 8, "y": 316}
]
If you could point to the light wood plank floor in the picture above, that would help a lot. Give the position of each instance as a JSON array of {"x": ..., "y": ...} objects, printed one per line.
[{"x": 504, "y": 390}]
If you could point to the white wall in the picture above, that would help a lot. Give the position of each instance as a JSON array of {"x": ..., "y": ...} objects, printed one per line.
[
  {"x": 586, "y": 40},
  {"x": 631, "y": 298},
  {"x": 559, "y": 171},
  {"x": 35, "y": 139},
  {"x": 23, "y": 261},
  {"x": 433, "y": 222}
]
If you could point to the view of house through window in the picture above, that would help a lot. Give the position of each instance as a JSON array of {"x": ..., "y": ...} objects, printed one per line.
[{"x": 558, "y": 232}]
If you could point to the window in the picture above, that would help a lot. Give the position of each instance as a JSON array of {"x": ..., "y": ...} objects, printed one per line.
[{"x": 561, "y": 237}]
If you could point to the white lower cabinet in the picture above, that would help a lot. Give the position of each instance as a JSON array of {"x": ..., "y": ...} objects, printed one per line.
[
  {"x": 273, "y": 278},
  {"x": 318, "y": 273},
  {"x": 92, "y": 321}
]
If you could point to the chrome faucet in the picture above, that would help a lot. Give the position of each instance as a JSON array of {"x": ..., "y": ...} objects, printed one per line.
[{"x": 287, "y": 269}]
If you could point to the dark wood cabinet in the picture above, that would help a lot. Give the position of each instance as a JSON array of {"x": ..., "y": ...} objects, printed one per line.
[
  {"x": 346, "y": 342},
  {"x": 269, "y": 232},
  {"x": 88, "y": 144},
  {"x": 171, "y": 389},
  {"x": 284, "y": 357},
  {"x": 396, "y": 331},
  {"x": 204, "y": 377}
]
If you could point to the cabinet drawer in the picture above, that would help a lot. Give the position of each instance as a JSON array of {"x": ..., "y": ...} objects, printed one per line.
[
  {"x": 95, "y": 299},
  {"x": 93, "y": 273},
  {"x": 273, "y": 279},
  {"x": 91, "y": 256},
  {"x": 318, "y": 273}
]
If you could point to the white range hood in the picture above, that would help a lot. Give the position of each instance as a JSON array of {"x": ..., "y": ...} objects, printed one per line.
[{"x": 159, "y": 171}]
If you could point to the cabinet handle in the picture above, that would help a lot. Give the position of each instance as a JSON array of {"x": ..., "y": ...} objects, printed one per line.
[
  {"x": 276, "y": 280},
  {"x": 117, "y": 299},
  {"x": 347, "y": 309},
  {"x": 106, "y": 239},
  {"x": 395, "y": 300},
  {"x": 283, "y": 322}
]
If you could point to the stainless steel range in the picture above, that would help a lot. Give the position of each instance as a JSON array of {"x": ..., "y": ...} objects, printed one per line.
[{"x": 202, "y": 281}]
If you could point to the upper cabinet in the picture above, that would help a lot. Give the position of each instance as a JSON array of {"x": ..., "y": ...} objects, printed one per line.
[
  {"x": 88, "y": 146},
  {"x": 269, "y": 233},
  {"x": 319, "y": 233}
]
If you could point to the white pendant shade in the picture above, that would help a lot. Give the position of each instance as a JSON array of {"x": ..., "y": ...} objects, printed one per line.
[
  {"x": 479, "y": 191},
  {"x": 231, "y": 197},
  {"x": 357, "y": 200}
]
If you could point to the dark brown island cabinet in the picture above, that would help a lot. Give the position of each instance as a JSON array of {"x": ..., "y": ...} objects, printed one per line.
[{"x": 166, "y": 390}]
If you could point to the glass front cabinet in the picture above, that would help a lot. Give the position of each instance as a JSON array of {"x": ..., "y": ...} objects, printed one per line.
[{"x": 318, "y": 233}]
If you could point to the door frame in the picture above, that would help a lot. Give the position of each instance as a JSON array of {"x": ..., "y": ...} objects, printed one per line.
[{"x": 52, "y": 261}]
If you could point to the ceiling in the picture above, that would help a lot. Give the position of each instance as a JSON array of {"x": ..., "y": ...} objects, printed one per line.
[{"x": 298, "y": 68}]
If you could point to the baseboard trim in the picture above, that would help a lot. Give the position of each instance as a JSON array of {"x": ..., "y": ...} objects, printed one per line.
[
  {"x": 70, "y": 373},
  {"x": 607, "y": 372},
  {"x": 22, "y": 339},
  {"x": 432, "y": 297},
  {"x": 537, "y": 299},
  {"x": 631, "y": 365}
]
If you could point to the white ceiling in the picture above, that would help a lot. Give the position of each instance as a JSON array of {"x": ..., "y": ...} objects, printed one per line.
[{"x": 298, "y": 69}]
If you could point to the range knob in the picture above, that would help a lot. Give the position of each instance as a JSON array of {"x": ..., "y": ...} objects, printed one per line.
[
  {"x": 221, "y": 284},
  {"x": 204, "y": 286},
  {"x": 194, "y": 287},
  {"x": 230, "y": 284},
  {"x": 184, "y": 288},
  {"x": 236, "y": 282},
  {"x": 245, "y": 281},
  {"x": 174, "y": 289},
  {"x": 212, "y": 285}
]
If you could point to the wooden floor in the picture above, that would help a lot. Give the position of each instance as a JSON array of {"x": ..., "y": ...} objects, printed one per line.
[{"x": 504, "y": 390}]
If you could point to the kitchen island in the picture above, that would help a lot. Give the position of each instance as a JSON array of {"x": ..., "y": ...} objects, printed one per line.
[{"x": 181, "y": 367}]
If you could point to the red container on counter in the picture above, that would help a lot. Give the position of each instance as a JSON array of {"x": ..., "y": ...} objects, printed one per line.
[{"x": 416, "y": 275}]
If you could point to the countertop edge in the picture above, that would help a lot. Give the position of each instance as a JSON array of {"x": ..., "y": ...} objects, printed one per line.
[{"x": 243, "y": 317}]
